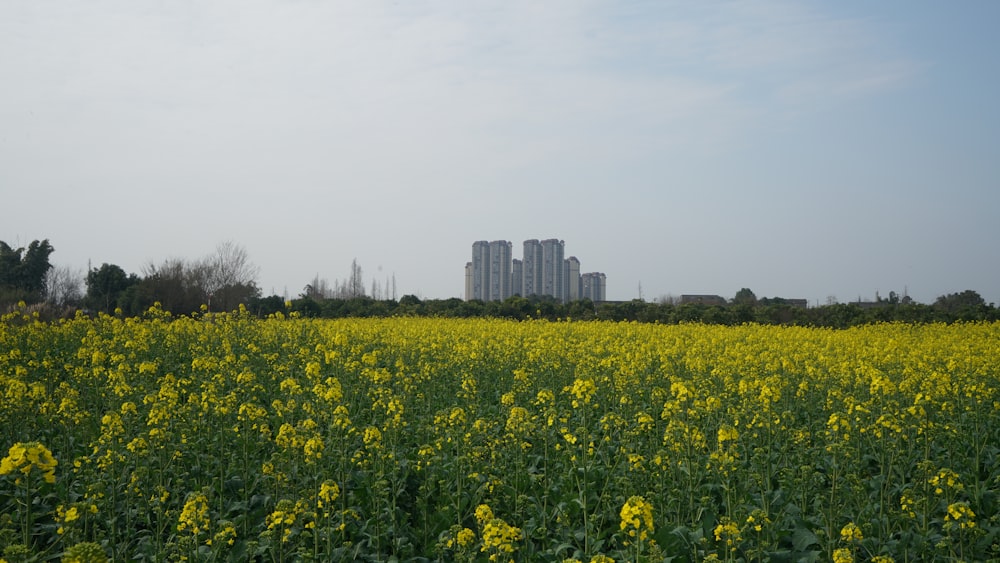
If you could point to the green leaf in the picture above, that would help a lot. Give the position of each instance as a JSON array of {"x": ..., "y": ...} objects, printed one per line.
[{"x": 802, "y": 538}]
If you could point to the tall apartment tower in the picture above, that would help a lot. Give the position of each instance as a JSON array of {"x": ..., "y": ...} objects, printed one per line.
[
  {"x": 531, "y": 268},
  {"x": 494, "y": 274},
  {"x": 517, "y": 277},
  {"x": 500, "y": 268},
  {"x": 593, "y": 286},
  {"x": 552, "y": 268},
  {"x": 571, "y": 279},
  {"x": 488, "y": 275},
  {"x": 480, "y": 270}
]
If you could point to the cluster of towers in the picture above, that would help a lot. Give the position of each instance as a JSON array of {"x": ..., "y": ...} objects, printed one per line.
[{"x": 494, "y": 274}]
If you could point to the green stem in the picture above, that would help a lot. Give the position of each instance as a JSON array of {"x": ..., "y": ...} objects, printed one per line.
[{"x": 28, "y": 516}]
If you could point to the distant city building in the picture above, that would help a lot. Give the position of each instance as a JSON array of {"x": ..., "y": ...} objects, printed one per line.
[
  {"x": 552, "y": 268},
  {"x": 593, "y": 286},
  {"x": 532, "y": 268},
  {"x": 481, "y": 270},
  {"x": 500, "y": 268},
  {"x": 571, "y": 279},
  {"x": 517, "y": 277},
  {"x": 494, "y": 274}
]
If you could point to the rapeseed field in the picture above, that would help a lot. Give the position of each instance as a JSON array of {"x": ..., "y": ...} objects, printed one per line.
[{"x": 228, "y": 438}]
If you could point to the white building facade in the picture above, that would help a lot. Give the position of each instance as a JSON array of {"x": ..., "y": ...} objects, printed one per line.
[{"x": 495, "y": 275}]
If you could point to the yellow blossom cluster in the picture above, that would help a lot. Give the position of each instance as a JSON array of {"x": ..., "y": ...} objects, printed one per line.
[
  {"x": 637, "y": 518},
  {"x": 498, "y": 536},
  {"x": 851, "y": 533},
  {"x": 194, "y": 516},
  {"x": 25, "y": 457}
]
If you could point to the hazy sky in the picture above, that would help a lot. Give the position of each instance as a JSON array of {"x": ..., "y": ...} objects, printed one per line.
[{"x": 799, "y": 148}]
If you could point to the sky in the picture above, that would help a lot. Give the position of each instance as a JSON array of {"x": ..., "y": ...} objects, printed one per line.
[{"x": 801, "y": 149}]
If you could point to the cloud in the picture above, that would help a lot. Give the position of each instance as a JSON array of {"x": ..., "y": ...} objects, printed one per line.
[
  {"x": 416, "y": 76},
  {"x": 422, "y": 110}
]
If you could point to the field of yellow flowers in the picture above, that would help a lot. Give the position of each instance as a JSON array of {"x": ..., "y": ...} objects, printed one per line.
[{"x": 228, "y": 438}]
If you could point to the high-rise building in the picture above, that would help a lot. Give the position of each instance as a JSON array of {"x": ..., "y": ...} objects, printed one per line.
[
  {"x": 532, "y": 268},
  {"x": 488, "y": 275},
  {"x": 500, "y": 267},
  {"x": 494, "y": 275},
  {"x": 517, "y": 277},
  {"x": 552, "y": 268},
  {"x": 593, "y": 286},
  {"x": 571, "y": 279},
  {"x": 481, "y": 270}
]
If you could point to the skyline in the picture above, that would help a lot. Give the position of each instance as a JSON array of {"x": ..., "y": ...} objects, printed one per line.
[
  {"x": 797, "y": 148},
  {"x": 494, "y": 274}
]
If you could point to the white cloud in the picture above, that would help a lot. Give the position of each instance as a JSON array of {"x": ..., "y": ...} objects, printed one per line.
[{"x": 415, "y": 108}]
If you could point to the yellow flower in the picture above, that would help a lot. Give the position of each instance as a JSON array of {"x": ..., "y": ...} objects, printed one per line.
[
  {"x": 637, "y": 517},
  {"x": 843, "y": 555},
  {"x": 851, "y": 532},
  {"x": 757, "y": 519},
  {"x": 906, "y": 503},
  {"x": 87, "y": 552},
  {"x": 373, "y": 437},
  {"x": 313, "y": 449},
  {"x": 24, "y": 457},
  {"x": 499, "y": 536},
  {"x": 518, "y": 421},
  {"x": 961, "y": 514},
  {"x": 194, "y": 515},
  {"x": 582, "y": 390},
  {"x": 946, "y": 478},
  {"x": 727, "y": 434},
  {"x": 226, "y": 534},
  {"x": 328, "y": 492},
  {"x": 544, "y": 397},
  {"x": 729, "y": 531},
  {"x": 465, "y": 537},
  {"x": 484, "y": 513}
]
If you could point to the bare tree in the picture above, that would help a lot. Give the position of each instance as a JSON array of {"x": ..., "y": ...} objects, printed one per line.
[
  {"x": 356, "y": 283},
  {"x": 230, "y": 266},
  {"x": 63, "y": 286},
  {"x": 228, "y": 275},
  {"x": 318, "y": 289}
]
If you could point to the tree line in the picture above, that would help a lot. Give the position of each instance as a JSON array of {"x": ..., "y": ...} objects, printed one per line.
[
  {"x": 965, "y": 306},
  {"x": 220, "y": 281},
  {"x": 225, "y": 280}
]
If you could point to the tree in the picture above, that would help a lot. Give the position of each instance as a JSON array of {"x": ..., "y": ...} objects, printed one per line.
[
  {"x": 105, "y": 285},
  {"x": 956, "y": 301},
  {"x": 264, "y": 306},
  {"x": 63, "y": 286},
  {"x": 745, "y": 297},
  {"x": 229, "y": 277},
  {"x": 174, "y": 284},
  {"x": 356, "y": 283},
  {"x": 318, "y": 289},
  {"x": 22, "y": 270}
]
